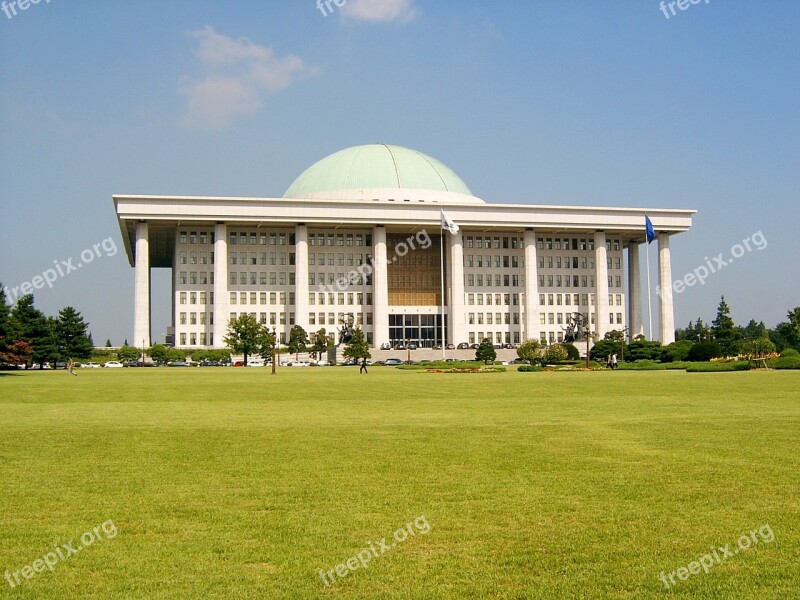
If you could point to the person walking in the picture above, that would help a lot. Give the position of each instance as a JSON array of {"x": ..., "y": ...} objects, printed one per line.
[
  {"x": 71, "y": 367},
  {"x": 614, "y": 361},
  {"x": 363, "y": 368},
  {"x": 608, "y": 362}
]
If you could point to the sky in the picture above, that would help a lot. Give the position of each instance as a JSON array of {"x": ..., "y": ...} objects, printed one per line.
[{"x": 571, "y": 102}]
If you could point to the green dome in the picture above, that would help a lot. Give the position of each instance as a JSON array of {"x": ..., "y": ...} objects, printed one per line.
[{"x": 376, "y": 166}]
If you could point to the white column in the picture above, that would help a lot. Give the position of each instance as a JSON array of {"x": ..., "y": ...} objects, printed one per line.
[
  {"x": 380, "y": 288},
  {"x": 301, "y": 276},
  {"x": 141, "y": 297},
  {"x": 666, "y": 315},
  {"x": 600, "y": 285},
  {"x": 456, "y": 326},
  {"x": 635, "y": 325},
  {"x": 221, "y": 299},
  {"x": 531, "y": 316}
]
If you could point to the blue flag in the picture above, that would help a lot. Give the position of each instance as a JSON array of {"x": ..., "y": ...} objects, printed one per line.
[{"x": 648, "y": 225}]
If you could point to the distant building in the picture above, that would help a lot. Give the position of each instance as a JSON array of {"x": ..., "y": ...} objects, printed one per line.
[{"x": 356, "y": 237}]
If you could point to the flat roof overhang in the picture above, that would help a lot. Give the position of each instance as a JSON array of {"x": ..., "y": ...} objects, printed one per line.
[{"x": 163, "y": 213}]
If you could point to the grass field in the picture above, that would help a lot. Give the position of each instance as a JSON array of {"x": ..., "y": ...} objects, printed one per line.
[{"x": 231, "y": 483}]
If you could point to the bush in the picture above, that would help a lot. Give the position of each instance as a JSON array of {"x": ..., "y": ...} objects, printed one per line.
[
  {"x": 529, "y": 369},
  {"x": 704, "y": 351},
  {"x": 572, "y": 352},
  {"x": 643, "y": 365},
  {"x": 790, "y": 352},
  {"x": 676, "y": 351},
  {"x": 717, "y": 367},
  {"x": 786, "y": 362}
]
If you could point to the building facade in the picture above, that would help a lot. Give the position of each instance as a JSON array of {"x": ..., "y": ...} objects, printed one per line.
[{"x": 358, "y": 237}]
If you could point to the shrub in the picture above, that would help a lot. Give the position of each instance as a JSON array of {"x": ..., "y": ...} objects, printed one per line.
[
  {"x": 790, "y": 352},
  {"x": 529, "y": 369},
  {"x": 786, "y": 362},
  {"x": 642, "y": 365},
  {"x": 572, "y": 352},
  {"x": 717, "y": 367},
  {"x": 676, "y": 351},
  {"x": 704, "y": 351}
]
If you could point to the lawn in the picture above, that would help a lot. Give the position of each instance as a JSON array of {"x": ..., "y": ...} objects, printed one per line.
[{"x": 232, "y": 483}]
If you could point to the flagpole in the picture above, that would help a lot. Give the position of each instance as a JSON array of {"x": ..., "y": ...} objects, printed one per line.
[
  {"x": 649, "y": 301},
  {"x": 441, "y": 270}
]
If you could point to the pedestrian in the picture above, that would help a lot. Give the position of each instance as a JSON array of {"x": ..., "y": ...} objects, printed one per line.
[
  {"x": 363, "y": 368},
  {"x": 614, "y": 361},
  {"x": 608, "y": 361},
  {"x": 71, "y": 367}
]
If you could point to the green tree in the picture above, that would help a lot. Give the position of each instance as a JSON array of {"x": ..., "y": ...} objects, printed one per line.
[
  {"x": 321, "y": 343},
  {"x": 72, "y": 334},
  {"x": 485, "y": 352},
  {"x": 642, "y": 349},
  {"x": 756, "y": 348},
  {"x": 572, "y": 351},
  {"x": 158, "y": 352},
  {"x": 676, "y": 351},
  {"x": 357, "y": 348},
  {"x": 30, "y": 325},
  {"x": 108, "y": 343},
  {"x": 724, "y": 329},
  {"x": 126, "y": 353},
  {"x": 602, "y": 349},
  {"x": 554, "y": 353},
  {"x": 298, "y": 341},
  {"x": 529, "y": 351},
  {"x": 5, "y": 327},
  {"x": 787, "y": 333},
  {"x": 248, "y": 337},
  {"x": 705, "y": 351}
]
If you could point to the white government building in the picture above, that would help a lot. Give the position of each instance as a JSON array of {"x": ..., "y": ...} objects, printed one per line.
[{"x": 357, "y": 235}]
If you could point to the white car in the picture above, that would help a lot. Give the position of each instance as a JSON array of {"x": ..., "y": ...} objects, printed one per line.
[
  {"x": 90, "y": 365},
  {"x": 255, "y": 363},
  {"x": 113, "y": 364}
]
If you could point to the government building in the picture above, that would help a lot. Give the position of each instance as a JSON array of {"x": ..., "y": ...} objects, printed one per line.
[{"x": 358, "y": 237}]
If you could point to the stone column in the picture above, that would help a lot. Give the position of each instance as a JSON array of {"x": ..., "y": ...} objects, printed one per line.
[
  {"x": 221, "y": 311},
  {"x": 141, "y": 297},
  {"x": 666, "y": 315},
  {"x": 635, "y": 326},
  {"x": 600, "y": 285},
  {"x": 531, "y": 315},
  {"x": 380, "y": 288},
  {"x": 455, "y": 309},
  {"x": 301, "y": 276}
]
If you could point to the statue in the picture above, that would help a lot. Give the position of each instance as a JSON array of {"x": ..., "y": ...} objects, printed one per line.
[
  {"x": 573, "y": 332},
  {"x": 347, "y": 328}
]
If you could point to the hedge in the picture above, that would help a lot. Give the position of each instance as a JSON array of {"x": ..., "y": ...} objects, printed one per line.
[{"x": 717, "y": 367}]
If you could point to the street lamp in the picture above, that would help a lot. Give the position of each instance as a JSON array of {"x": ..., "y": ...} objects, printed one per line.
[
  {"x": 587, "y": 334},
  {"x": 622, "y": 344},
  {"x": 274, "y": 335}
]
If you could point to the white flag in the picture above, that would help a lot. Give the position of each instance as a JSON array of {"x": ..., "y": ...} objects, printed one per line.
[{"x": 449, "y": 224}]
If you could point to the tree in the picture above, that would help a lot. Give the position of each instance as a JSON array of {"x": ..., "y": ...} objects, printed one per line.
[
  {"x": 298, "y": 341},
  {"x": 572, "y": 351},
  {"x": 676, "y": 351},
  {"x": 30, "y": 325},
  {"x": 618, "y": 336},
  {"x": 787, "y": 334},
  {"x": 724, "y": 329},
  {"x": 602, "y": 349},
  {"x": 5, "y": 327},
  {"x": 108, "y": 343},
  {"x": 485, "y": 352},
  {"x": 71, "y": 334},
  {"x": 248, "y": 337},
  {"x": 158, "y": 352},
  {"x": 756, "y": 348},
  {"x": 357, "y": 348},
  {"x": 126, "y": 353},
  {"x": 704, "y": 351},
  {"x": 529, "y": 351},
  {"x": 553, "y": 354},
  {"x": 321, "y": 342},
  {"x": 642, "y": 349}
]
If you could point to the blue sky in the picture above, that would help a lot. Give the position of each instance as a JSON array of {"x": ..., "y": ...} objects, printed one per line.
[{"x": 587, "y": 103}]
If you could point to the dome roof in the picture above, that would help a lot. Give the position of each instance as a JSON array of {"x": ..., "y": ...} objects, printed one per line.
[{"x": 364, "y": 169}]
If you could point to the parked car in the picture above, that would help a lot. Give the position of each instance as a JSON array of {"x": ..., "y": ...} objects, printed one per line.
[
  {"x": 113, "y": 364},
  {"x": 386, "y": 346},
  {"x": 451, "y": 346},
  {"x": 474, "y": 346},
  {"x": 463, "y": 346},
  {"x": 90, "y": 365},
  {"x": 178, "y": 363},
  {"x": 508, "y": 346},
  {"x": 320, "y": 363},
  {"x": 400, "y": 346},
  {"x": 393, "y": 362},
  {"x": 411, "y": 346}
]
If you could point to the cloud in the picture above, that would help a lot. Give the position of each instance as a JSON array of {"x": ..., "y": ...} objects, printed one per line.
[
  {"x": 380, "y": 11},
  {"x": 237, "y": 74}
]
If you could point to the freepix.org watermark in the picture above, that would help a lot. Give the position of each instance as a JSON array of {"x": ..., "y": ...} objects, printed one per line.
[
  {"x": 60, "y": 269},
  {"x": 699, "y": 275},
  {"x": 361, "y": 560},
  {"x": 61, "y": 552},
  {"x": 419, "y": 240},
  {"x": 325, "y": 7},
  {"x": 10, "y": 8},
  {"x": 668, "y": 8},
  {"x": 717, "y": 555}
]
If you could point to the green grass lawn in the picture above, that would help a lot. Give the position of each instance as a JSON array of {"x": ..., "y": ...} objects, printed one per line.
[{"x": 231, "y": 483}]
